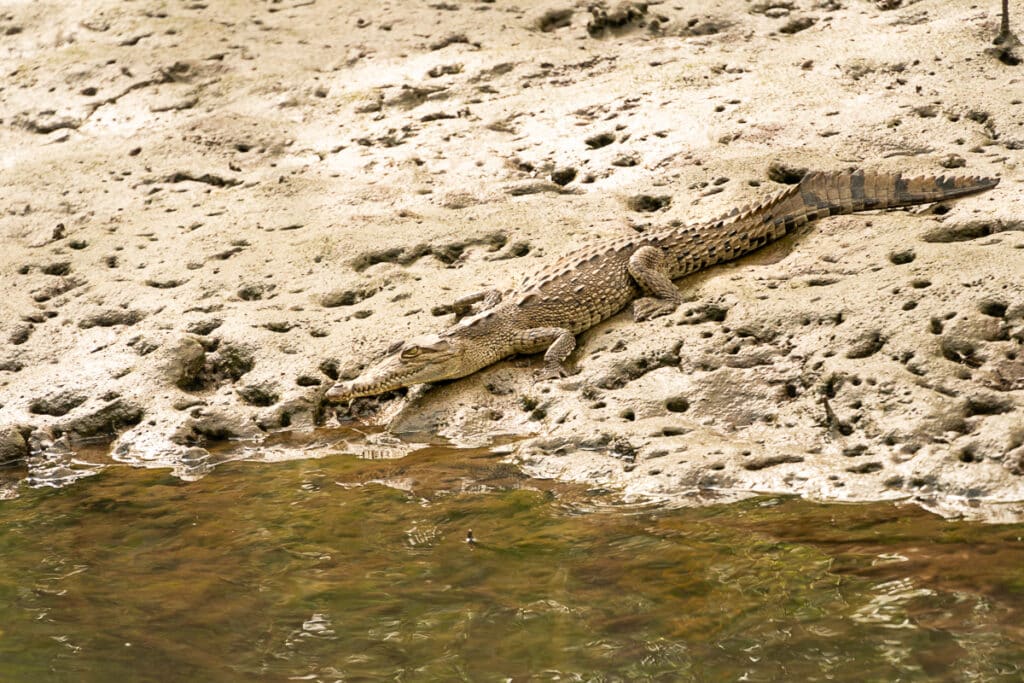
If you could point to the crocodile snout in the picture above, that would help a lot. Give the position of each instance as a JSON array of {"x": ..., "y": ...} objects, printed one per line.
[{"x": 341, "y": 391}]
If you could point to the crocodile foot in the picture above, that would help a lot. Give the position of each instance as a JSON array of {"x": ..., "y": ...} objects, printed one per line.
[
  {"x": 648, "y": 307},
  {"x": 552, "y": 371}
]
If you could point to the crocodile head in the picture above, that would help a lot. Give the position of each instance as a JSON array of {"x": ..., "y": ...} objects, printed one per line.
[{"x": 430, "y": 358}]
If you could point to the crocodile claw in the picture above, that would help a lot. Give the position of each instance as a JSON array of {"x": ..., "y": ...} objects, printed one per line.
[
  {"x": 549, "y": 372},
  {"x": 649, "y": 308}
]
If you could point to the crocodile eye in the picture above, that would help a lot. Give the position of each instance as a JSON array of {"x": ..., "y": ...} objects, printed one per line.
[{"x": 411, "y": 352}]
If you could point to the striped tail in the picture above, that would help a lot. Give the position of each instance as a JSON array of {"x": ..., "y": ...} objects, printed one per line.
[{"x": 829, "y": 194}]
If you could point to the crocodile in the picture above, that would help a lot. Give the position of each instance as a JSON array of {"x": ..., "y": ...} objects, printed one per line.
[{"x": 548, "y": 309}]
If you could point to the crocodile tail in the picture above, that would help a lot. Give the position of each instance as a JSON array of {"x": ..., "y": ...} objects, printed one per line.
[{"x": 832, "y": 193}]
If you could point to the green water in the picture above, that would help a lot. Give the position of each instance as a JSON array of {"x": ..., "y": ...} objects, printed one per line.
[{"x": 308, "y": 570}]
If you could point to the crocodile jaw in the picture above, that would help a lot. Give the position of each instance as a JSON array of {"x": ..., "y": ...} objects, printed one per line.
[{"x": 437, "y": 359}]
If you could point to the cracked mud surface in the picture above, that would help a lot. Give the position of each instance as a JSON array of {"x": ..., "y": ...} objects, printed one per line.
[{"x": 211, "y": 212}]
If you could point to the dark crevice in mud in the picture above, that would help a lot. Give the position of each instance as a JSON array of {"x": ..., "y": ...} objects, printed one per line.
[
  {"x": 110, "y": 318},
  {"x": 771, "y": 461},
  {"x": 971, "y": 230},
  {"x": 20, "y": 334},
  {"x": 47, "y": 121},
  {"x": 448, "y": 253},
  {"x": 207, "y": 178},
  {"x": 783, "y": 173},
  {"x": 600, "y": 140},
  {"x": 988, "y": 405},
  {"x": 55, "y": 289}
]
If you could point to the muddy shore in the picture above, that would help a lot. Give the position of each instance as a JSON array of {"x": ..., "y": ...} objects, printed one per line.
[{"x": 210, "y": 212}]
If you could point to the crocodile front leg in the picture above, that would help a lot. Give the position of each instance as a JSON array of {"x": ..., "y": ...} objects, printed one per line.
[
  {"x": 559, "y": 343},
  {"x": 648, "y": 268},
  {"x": 464, "y": 306}
]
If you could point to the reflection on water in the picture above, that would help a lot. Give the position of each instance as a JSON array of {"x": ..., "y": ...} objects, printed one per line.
[{"x": 347, "y": 568}]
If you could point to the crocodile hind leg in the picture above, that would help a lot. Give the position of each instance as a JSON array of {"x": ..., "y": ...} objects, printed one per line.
[
  {"x": 559, "y": 343},
  {"x": 647, "y": 266}
]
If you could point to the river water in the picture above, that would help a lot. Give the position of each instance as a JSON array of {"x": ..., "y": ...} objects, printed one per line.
[{"x": 346, "y": 568}]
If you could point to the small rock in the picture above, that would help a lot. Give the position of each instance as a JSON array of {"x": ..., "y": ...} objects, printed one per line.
[
  {"x": 459, "y": 200},
  {"x": 373, "y": 102},
  {"x": 445, "y": 70},
  {"x": 111, "y": 317},
  {"x": 903, "y": 257},
  {"x": 953, "y": 161},
  {"x": 231, "y": 361},
  {"x": 12, "y": 445},
  {"x": 169, "y": 283},
  {"x": 345, "y": 297},
  {"x": 866, "y": 345},
  {"x": 183, "y": 363},
  {"x": 45, "y": 122},
  {"x": 622, "y": 17},
  {"x": 204, "y": 327},
  {"x": 105, "y": 421},
  {"x": 299, "y": 413},
  {"x": 449, "y": 40},
  {"x": 647, "y": 203},
  {"x": 251, "y": 292},
  {"x": 533, "y": 187},
  {"x": 56, "y": 404},
  {"x": 187, "y": 402}
]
